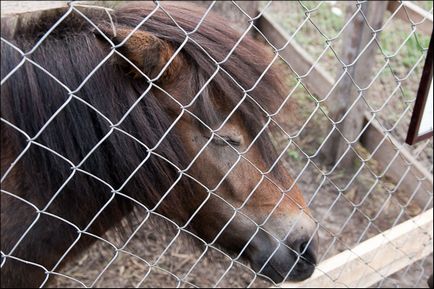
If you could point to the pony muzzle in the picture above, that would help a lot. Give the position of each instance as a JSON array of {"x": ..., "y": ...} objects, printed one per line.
[{"x": 290, "y": 260}]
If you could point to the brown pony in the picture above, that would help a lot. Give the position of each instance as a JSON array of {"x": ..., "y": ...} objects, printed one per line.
[{"x": 172, "y": 119}]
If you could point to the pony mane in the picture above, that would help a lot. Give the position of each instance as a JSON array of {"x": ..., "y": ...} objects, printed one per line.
[{"x": 31, "y": 99}]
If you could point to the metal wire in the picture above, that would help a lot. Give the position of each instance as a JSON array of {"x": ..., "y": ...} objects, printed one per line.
[{"x": 293, "y": 140}]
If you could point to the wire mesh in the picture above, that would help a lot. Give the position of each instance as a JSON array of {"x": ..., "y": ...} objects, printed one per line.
[{"x": 349, "y": 205}]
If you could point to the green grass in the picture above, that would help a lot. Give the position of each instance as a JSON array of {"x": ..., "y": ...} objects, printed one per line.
[
  {"x": 397, "y": 33},
  {"x": 427, "y": 5},
  {"x": 295, "y": 155},
  {"x": 291, "y": 14},
  {"x": 410, "y": 52}
]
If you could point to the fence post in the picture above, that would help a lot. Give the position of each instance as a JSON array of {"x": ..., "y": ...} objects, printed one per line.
[{"x": 355, "y": 38}]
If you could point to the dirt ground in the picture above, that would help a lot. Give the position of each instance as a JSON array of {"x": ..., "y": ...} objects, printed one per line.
[
  {"x": 151, "y": 241},
  {"x": 342, "y": 226}
]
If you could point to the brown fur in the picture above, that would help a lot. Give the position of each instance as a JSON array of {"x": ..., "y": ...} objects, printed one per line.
[
  {"x": 149, "y": 53},
  {"x": 70, "y": 53}
]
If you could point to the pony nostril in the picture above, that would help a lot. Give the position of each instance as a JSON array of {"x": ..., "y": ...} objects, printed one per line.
[
  {"x": 303, "y": 247},
  {"x": 299, "y": 246},
  {"x": 306, "y": 249},
  {"x": 309, "y": 255}
]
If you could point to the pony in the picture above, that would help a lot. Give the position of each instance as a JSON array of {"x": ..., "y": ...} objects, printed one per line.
[{"x": 153, "y": 105}]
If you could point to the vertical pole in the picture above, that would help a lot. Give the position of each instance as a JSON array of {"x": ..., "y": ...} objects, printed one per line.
[{"x": 355, "y": 38}]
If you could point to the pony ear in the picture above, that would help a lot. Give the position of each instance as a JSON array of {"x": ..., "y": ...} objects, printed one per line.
[{"x": 145, "y": 50}]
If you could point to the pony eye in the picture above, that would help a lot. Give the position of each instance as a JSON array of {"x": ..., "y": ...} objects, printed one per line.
[
  {"x": 225, "y": 140},
  {"x": 233, "y": 141}
]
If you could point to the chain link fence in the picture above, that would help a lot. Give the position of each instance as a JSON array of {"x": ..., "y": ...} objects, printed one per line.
[{"x": 350, "y": 71}]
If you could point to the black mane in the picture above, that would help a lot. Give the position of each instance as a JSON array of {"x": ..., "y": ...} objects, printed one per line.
[{"x": 70, "y": 53}]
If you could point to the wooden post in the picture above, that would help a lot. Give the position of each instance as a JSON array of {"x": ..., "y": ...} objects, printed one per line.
[
  {"x": 355, "y": 38},
  {"x": 318, "y": 80},
  {"x": 410, "y": 11},
  {"x": 403, "y": 169}
]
